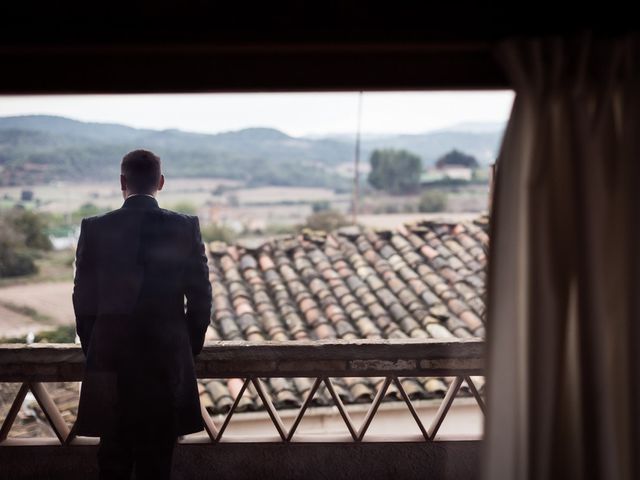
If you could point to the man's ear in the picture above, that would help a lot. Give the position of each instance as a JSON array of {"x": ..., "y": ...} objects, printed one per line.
[
  {"x": 123, "y": 183},
  {"x": 161, "y": 182}
]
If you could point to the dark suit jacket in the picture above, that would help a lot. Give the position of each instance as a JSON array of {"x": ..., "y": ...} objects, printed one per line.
[{"x": 134, "y": 268}]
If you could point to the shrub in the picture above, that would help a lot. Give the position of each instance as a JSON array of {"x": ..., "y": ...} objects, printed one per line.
[
  {"x": 216, "y": 232},
  {"x": 327, "y": 220},
  {"x": 320, "y": 206},
  {"x": 87, "y": 210},
  {"x": 280, "y": 229},
  {"x": 16, "y": 263},
  {"x": 432, "y": 201},
  {"x": 184, "y": 207},
  {"x": 62, "y": 334},
  {"x": 22, "y": 237},
  {"x": 32, "y": 226}
]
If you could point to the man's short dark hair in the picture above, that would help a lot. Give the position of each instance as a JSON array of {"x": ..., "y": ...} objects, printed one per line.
[{"x": 141, "y": 168}]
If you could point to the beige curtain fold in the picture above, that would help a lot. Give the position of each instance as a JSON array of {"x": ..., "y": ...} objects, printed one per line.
[{"x": 564, "y": 286}]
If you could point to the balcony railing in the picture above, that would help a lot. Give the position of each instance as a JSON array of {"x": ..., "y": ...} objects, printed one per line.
[{"x": 392, "y": 360}]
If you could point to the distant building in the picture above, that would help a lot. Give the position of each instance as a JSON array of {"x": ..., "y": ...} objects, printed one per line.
[
  {"x": 26, "y": 195},
  {"x": 457, "y": 172},
  {"x": 436, "y": 175}
]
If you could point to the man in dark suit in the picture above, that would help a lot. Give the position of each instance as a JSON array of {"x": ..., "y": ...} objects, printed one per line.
[{"x": 134, "y": 268}]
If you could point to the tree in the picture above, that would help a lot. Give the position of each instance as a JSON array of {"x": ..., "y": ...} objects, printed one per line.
[
  {"x": 87, "y": 210},
  {"x": 15, "y": 260},
  {"x": 22, "y": 234},
  {"x": 432, "y": 201},
  {"x": 456, "y": 158},
  {"x": 395, "y": 171},
  {"x": 31, "y": 226}
]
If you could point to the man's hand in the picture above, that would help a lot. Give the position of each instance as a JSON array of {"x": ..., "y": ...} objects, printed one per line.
[
  {"x": 197, "y": 291},
  {"x": 85, "y": 285}
]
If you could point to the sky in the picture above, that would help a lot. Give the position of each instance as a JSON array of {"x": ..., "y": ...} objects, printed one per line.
[{"x": 297, "y": 114}]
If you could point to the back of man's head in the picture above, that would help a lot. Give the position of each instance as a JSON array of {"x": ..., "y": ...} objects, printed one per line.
[{"x": 141, "y": 169}]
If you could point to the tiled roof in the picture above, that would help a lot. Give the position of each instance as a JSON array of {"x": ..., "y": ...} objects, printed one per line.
[{"x": 424, "y": 280}]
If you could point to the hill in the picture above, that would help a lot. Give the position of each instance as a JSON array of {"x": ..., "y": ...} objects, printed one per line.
[
  {"x": 36, "y": 149},
  {"x": 480, "y": 140},
  {"x": 40, "y": 148}
]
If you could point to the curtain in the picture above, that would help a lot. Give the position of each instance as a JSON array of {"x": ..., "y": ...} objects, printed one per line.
[{"x": 563, "y": 346}]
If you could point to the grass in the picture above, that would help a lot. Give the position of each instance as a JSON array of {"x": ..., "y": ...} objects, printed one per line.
[
  {"x": 32, "y": 313},
  {"x": 62, "y": 334},
  {"x": 56, "y": 266}
]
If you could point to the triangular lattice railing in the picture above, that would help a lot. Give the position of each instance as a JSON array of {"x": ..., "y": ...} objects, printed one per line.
[
  {"x": 246, "y": 365},
  {"x": 357, "y": 432},
  {"x": 48, "y": 406}
]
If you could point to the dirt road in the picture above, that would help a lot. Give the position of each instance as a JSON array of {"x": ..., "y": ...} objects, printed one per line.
[{"x": 52, "y": 301}]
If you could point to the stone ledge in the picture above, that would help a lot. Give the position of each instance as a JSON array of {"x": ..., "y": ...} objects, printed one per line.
[{"x": 65, "y": 362}]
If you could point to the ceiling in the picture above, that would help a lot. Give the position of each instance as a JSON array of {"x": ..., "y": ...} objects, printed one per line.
[{"x": 198, "y": 45}]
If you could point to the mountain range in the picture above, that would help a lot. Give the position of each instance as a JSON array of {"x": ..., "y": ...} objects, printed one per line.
[{"x": 40, "y": 148}]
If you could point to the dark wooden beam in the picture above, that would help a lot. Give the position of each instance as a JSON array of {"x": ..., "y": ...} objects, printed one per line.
[
  {"x": 149, "y": 68},
  {"x": 127, "y": 46}
]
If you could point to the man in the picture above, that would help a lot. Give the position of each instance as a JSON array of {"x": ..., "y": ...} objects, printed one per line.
[{"x": 134, "y": 268}]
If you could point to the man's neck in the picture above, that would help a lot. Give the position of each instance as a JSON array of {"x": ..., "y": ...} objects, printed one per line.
[{"x": 134, "y": 194}]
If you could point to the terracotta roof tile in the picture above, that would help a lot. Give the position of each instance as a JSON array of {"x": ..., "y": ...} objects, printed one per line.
[
  {"x": 434, "y": 386},
  {"x": 424, "y": 280}
]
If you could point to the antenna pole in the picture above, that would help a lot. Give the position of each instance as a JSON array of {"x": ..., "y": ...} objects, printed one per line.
[{"x": 356, "y": 167}]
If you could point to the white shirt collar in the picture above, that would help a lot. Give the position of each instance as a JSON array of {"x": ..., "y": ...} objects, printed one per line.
[{"x": 135, "y": 194}]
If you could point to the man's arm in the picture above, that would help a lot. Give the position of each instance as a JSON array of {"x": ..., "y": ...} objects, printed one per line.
[
  {"x": 85, "y": 287},
  {"x": 197, "y": 291}
]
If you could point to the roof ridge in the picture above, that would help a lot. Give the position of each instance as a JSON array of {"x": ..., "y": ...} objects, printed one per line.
[{"x": 351, "y": 232}]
